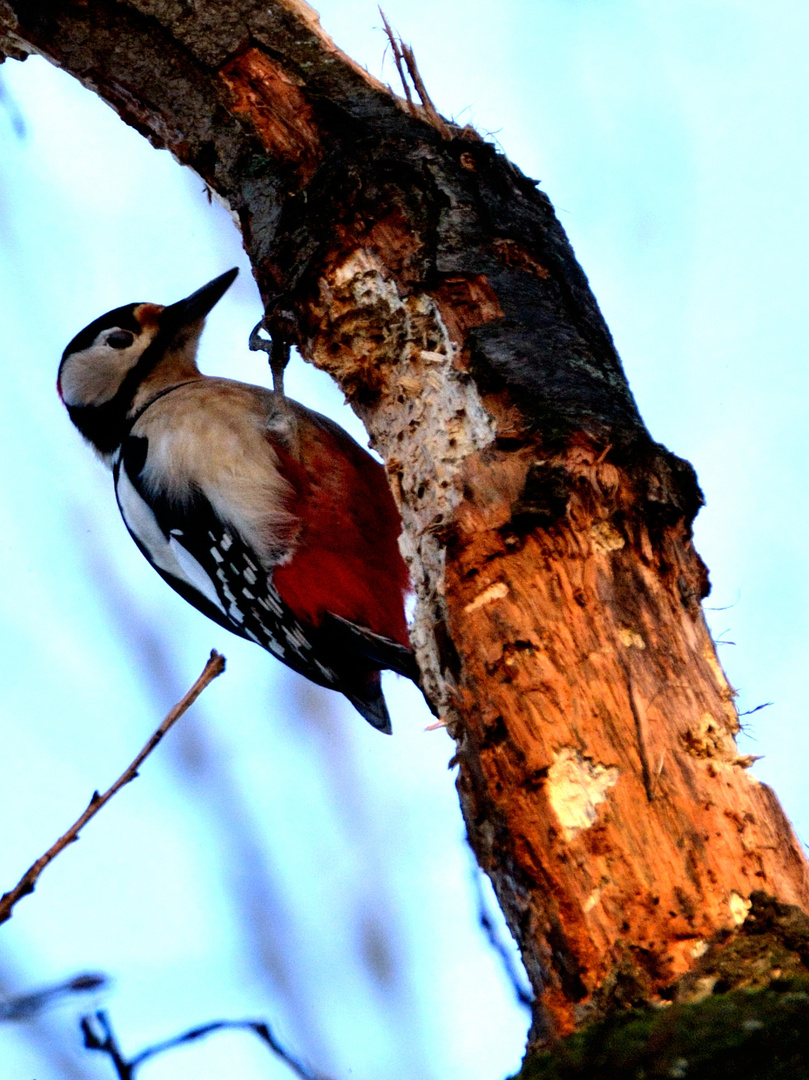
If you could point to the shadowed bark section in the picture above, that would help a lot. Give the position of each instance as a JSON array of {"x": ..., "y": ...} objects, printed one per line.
[{"x": 559, "y": 628}]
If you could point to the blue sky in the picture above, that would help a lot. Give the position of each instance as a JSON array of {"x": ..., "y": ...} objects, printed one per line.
[{"x": 278, "y": 858}]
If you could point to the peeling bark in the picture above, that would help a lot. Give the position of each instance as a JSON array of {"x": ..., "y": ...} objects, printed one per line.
[{"x": 559, "y": 626}]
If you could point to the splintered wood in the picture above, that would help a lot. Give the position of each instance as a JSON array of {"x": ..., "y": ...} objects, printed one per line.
[{"x": 270, "y": 99}]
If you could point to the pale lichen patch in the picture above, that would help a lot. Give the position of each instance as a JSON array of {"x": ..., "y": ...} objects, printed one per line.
[
  {"x": 605, "y": 538},
  {"x": 709, "y": 738},
  {"x": 630, "y": 638},
  {"x": 592, "y": 900},
  {"x": 698, "y": 991},
  {"x": 726, "y": 691},
  {"x": 739, "y": 907},
  {"x": 494, "y": 592},
  {"x": 576, "y": 786}
]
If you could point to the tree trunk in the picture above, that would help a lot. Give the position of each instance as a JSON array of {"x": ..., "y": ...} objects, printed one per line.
[{"x": 559, "y": 627}]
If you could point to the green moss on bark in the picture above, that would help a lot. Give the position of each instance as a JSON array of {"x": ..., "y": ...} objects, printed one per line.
[
  {"x": 742, "y": 1013},
  {"x": 740, "y": 1035}
]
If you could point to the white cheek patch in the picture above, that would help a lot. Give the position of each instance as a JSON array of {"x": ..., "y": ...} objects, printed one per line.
[
  {"x": 95, "y": 375},
  {"x": 169, "y": 555}
]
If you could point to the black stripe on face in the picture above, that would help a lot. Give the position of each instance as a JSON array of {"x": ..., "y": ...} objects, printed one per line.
[{"x": 105, "y": 425}]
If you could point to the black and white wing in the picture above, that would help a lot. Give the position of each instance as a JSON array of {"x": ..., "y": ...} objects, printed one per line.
[{"x": 207, "y": 562}]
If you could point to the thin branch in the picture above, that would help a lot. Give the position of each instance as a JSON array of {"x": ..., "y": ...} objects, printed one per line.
[
  {"x": 98, "y": 1035},
  {"x": 435, "y": 118},
  {"x": 214, "y": 667},
  {"x": 749, "y": 712},
  {"x": 397, "y": 59},
  {"x": 106, "y": 1043},
  {"x": 258, "y": 1027}
]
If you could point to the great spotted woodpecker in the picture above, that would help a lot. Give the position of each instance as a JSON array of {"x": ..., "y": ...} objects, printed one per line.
[{"x": 264, "y": 515}]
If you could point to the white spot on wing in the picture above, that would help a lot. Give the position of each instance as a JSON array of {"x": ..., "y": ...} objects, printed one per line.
[
  {"x": 296, "y": 638},
  {"x": 228, "y": 595}
]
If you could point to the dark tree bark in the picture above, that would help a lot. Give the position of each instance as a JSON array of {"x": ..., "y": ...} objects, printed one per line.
[{"x": 559, "y": 627}]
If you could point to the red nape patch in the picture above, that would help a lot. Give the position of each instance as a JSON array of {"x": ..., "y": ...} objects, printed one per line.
[
  {"x": 319, "y": 581},
  {"x": 148, "y": 315}
]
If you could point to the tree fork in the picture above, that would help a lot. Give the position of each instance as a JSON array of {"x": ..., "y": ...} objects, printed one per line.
[{"x": 559, "y": 627}]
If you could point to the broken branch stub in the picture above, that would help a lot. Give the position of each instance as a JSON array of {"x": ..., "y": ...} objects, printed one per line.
[{"x": 559, "y": 626}]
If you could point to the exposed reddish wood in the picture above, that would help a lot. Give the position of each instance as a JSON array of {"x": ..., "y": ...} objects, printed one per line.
[
  {"x": 513, "y": 254},
  {"x": 466, "y": 301},
  {"x": 265, "y": 94}
]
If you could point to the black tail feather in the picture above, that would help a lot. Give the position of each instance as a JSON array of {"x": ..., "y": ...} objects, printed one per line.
[
  {"x": 381, "y": 654},
  {"x": 372, "y": 706},
  {"x": 380, "y": 651}
]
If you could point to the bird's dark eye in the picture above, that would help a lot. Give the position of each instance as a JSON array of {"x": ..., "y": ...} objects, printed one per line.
[{"x": 120, "y": 339}]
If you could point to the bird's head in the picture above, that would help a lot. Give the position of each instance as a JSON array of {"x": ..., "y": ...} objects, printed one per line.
[{"x": 106, "y": 365}]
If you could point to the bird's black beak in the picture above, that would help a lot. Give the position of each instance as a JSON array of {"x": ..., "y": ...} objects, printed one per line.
[{"x": 196, "y": 306}]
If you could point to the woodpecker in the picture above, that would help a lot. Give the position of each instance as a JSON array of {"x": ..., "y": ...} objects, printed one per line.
[{"x": 263, "y": 514}]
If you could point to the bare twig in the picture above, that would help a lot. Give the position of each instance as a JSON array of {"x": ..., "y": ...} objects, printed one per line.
[
  {"x": 106, "y": 1043},
  {"x": 398, "y": 59},
  {"x": 258, "y": 1027},
  {"x": 435, "y": 118},
  {"x": 26, "y": 884},
  {"x": 404, "y": 56},
  {"x": 98, "y": 1035},
  {"x": 749, "y": 712}
]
